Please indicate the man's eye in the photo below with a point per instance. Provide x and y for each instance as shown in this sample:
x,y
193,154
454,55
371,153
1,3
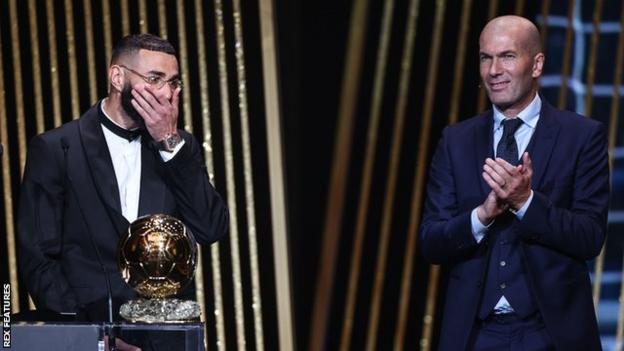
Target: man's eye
x,y
153,80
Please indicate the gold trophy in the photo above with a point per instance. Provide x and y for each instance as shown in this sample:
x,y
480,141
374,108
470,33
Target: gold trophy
x,y
157,257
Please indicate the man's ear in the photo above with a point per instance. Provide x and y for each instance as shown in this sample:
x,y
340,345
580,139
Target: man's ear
x,y
538,65
116,77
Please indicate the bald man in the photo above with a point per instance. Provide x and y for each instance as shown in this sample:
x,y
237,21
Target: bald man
x,y
517,203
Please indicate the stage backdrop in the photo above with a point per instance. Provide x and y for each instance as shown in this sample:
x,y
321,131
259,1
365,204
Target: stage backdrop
x,y
318,120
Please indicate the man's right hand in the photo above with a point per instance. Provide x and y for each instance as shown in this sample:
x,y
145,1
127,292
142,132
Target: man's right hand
x,y
490,208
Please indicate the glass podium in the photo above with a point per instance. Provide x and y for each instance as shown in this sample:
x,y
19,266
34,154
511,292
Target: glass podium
x,y
52,336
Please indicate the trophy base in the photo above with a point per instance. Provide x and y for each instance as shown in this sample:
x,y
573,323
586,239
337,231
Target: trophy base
x,y
160,311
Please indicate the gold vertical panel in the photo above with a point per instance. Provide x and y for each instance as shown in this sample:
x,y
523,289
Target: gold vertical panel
x,y
18,86
207,146
567,51
248,173
125,17
460,55
339,173
6,188
71,53
143,16
162,18
593,54
367,175
589,97
432,296
395,156
229,175
423,149
184,65
493,8
36,65
519,7
54,76
544,26
107,29
276,175
89,40
619,334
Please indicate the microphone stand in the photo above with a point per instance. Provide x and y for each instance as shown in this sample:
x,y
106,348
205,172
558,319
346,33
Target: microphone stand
x,y
110,326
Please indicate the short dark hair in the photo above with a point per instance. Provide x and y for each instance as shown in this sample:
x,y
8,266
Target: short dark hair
x,y
132,43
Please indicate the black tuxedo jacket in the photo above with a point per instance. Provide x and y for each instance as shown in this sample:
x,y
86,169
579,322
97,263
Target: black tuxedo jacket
x,y
564,225
69,203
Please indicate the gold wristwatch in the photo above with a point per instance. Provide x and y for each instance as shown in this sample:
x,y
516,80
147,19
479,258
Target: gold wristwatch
x,y
170,142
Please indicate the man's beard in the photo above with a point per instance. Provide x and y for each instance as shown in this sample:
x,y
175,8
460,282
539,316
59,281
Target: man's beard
x,y
126,104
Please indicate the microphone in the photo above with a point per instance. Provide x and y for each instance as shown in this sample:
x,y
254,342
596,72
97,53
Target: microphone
x,y
110,333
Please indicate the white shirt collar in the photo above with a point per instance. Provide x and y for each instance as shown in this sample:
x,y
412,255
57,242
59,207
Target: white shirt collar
x,y
529,116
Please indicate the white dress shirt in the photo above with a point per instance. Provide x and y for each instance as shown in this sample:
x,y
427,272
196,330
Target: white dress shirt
x,y
126,157
529,117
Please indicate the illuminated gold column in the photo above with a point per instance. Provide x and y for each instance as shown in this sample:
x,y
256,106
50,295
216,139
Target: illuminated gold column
x,y
458,77
591,73
276,175
107,29
593,54
481,98
339,172
365,190
36,65
248,173
421,166
143,16
18,87
8,198
125,17
207,146
54,76
162,18
395,157
229,175
544,26
184,63
519,7
71,53
89,40
567,50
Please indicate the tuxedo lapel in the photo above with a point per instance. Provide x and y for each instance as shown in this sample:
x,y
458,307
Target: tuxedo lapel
x,y
152,194
542,143
483,147
101,166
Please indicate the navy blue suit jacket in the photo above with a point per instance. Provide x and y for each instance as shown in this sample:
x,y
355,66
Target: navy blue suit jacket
x,y
70,202
563,227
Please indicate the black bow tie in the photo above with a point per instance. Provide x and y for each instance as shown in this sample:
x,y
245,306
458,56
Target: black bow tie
x,y
129,135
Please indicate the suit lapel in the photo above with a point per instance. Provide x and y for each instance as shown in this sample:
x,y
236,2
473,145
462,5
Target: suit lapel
x,y
542,143
152,194
483,147
101,166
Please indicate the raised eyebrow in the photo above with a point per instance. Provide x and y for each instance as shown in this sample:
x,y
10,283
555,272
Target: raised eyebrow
x,y
505,53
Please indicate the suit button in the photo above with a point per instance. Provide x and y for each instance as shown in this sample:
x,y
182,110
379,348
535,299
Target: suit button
x,y
503,286
503,263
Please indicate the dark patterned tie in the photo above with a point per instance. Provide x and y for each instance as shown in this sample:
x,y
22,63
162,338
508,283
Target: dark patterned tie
x,y
507,148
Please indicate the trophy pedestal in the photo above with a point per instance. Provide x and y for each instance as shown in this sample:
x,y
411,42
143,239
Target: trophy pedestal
x,y
160,311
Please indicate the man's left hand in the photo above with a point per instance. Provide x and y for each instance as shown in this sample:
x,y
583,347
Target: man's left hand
x,y
159,112
512,184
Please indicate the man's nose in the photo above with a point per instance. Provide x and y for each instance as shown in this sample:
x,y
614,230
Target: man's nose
x,y
166,91
495,67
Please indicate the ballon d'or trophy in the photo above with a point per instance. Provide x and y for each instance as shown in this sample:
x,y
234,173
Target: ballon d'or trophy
x,y
157,257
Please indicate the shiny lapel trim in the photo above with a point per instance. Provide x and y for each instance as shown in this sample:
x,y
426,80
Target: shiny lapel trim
x,y
483,147
152,193
101,166
542,143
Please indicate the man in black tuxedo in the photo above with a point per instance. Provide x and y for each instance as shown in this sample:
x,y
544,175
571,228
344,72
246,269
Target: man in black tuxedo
x,y
87,180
